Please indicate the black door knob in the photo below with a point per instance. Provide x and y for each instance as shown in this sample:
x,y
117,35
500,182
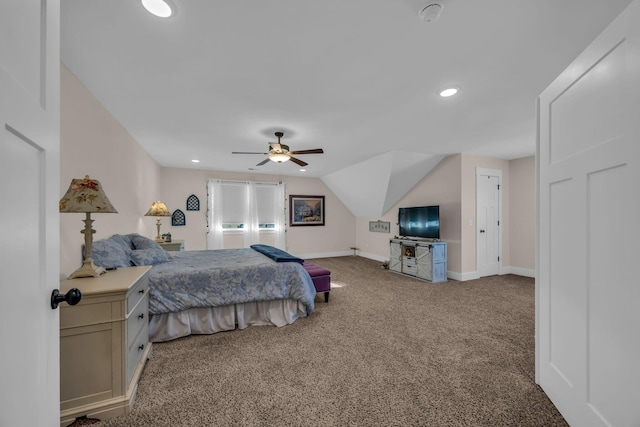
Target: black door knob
x,y
72,297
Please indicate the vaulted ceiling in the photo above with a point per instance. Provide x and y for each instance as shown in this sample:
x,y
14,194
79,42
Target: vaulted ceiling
x,y
358,78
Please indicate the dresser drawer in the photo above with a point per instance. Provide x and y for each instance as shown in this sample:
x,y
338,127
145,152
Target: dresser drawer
x,y
137,319
137,292
136,350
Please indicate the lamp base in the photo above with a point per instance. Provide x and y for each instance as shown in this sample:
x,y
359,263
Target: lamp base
x,y
88,269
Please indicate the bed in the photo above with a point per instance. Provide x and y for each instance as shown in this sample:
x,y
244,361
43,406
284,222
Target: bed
x,y
204,292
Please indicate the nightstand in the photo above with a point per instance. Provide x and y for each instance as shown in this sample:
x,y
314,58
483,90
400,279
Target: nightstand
x,y
174,245
104,344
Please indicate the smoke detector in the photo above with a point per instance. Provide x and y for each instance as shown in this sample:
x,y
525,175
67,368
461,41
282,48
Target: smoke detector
x,y
431,12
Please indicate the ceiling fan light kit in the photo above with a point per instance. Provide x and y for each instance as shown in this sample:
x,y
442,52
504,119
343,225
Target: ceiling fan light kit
x,y
279,157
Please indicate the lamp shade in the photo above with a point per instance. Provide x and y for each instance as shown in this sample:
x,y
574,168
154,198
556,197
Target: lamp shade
x,y
86,195
158,209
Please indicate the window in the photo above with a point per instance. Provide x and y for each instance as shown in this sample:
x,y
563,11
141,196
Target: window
x,y
249,208
234,205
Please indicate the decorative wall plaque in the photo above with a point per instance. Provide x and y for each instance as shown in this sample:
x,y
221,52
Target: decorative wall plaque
x,y
380,226
178,218
193,203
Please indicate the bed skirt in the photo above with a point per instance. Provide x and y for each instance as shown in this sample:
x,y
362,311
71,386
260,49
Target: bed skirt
x,y
169,326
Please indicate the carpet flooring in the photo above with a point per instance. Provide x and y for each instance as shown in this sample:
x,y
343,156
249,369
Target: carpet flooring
x,y
387,350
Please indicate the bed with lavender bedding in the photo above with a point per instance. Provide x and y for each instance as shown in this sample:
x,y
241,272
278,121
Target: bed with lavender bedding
x,y
203,292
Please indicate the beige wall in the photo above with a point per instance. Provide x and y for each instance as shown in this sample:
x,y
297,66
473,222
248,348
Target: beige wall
x,y
441,186
333,239
452,185
523,215
93,143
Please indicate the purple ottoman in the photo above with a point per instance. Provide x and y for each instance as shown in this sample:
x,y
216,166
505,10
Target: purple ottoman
x,y
321,278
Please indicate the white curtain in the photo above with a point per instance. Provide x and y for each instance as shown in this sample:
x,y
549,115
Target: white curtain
x,y
279,215
243,207
251,223
215,238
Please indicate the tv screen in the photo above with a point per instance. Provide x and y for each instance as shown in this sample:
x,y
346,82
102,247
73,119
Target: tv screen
x,y
421,221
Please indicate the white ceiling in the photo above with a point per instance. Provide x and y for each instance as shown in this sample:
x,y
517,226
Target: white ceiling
x,y
358,78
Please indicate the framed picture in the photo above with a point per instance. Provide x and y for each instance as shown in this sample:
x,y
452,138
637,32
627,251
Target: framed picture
x,y
306,210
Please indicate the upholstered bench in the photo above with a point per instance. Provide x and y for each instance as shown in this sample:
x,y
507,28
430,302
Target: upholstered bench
x,y
321,278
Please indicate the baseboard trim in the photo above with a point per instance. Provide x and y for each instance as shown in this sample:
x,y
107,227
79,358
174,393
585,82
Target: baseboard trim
x,y
373,256
462,277
324,254
518,271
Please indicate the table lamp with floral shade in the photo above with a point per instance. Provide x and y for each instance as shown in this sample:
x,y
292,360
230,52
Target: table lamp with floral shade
x,y
158,209
86,196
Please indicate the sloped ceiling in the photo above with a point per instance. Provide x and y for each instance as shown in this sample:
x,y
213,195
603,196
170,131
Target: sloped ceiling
x,y
358,78
372,187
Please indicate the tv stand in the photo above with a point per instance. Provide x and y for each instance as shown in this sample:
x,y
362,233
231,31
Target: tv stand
x,y
426,260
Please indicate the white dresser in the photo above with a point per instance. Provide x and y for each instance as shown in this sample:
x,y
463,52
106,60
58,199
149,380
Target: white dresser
x,y
104,344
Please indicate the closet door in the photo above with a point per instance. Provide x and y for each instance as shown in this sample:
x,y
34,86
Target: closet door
x,y
588,339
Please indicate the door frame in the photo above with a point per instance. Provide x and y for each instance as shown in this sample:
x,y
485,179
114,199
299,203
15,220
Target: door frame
x,y
497,173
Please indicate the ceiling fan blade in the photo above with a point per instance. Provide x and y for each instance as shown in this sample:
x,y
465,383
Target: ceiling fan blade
x,y
263,162
248,152
298,161
314,151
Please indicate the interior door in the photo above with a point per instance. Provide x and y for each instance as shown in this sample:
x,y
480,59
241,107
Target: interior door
x,y
29,172
487,222
588,339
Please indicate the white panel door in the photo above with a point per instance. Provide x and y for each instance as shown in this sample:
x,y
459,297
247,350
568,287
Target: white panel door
x,y
588,298
487,221
29,172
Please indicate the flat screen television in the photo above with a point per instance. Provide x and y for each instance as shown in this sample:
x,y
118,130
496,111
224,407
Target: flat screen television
x,y
420,221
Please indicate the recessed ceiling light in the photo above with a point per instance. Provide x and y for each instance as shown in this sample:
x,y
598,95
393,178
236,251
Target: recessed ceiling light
x,y
159,8
195,161
450,91
303,170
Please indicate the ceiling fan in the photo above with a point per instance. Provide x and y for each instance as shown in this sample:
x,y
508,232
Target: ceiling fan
x,y
280,153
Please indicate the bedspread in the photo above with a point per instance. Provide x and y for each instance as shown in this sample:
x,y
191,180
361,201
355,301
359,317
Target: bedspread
x,y
222,277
